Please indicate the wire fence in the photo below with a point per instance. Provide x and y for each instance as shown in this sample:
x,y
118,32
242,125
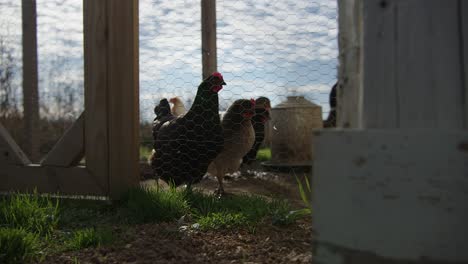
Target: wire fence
x,y
273,49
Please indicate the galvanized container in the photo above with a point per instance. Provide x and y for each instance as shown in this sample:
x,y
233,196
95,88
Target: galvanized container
x,y
291,131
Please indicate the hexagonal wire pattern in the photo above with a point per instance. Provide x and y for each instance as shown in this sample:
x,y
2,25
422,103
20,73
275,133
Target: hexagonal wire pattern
x,y
265,48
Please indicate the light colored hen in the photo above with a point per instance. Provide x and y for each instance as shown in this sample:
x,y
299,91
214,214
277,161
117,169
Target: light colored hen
x,y
239,137
178,107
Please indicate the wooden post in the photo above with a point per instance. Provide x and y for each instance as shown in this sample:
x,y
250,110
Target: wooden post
x,y
30,86
350,69
123,96
96,85
464,46
111,93
208,24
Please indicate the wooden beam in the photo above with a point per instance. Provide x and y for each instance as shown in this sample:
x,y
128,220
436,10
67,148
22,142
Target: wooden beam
x,y
30,79
69,150
349,109
463,18
10,152
70,181
208,24
123,96
96,87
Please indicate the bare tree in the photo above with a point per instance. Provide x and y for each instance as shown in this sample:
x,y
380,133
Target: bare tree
x,y
8,95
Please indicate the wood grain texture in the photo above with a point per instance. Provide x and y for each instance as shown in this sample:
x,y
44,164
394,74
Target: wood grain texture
x,y
123,96
208,24
463,18
69,150
428,64
96,74
10,152
71,181
30,79
349,109
380,93
412,76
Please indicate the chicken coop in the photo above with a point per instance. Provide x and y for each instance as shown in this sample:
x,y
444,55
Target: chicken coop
x,y
390,183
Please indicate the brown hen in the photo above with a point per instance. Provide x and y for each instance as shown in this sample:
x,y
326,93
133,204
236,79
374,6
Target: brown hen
x,y
239,137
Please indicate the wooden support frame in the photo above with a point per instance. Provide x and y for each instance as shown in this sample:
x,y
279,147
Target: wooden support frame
x,y
30,78
464,46
208,28
108,133
69,150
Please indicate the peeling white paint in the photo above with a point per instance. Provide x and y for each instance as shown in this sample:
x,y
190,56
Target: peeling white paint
x,y
398,193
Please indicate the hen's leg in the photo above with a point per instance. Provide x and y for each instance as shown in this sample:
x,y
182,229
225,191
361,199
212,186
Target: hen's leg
x,y
219,175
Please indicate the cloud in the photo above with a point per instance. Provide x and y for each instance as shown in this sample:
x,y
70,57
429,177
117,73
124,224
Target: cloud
x,y
265,47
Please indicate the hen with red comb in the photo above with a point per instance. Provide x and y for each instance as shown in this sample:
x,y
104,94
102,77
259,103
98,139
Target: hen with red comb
x,y
187,144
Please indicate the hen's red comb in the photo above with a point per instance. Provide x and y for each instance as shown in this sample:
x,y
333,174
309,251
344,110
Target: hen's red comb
x,y
217,74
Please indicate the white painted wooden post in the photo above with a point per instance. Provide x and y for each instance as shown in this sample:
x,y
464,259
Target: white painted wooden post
x,y
395,190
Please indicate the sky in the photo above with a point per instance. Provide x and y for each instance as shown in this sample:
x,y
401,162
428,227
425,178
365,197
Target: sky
x,y
265,48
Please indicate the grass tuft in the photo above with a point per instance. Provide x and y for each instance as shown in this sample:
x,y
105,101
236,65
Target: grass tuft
x,y
264,154
90,237
33,213
237,211
144,205
223,220
17,245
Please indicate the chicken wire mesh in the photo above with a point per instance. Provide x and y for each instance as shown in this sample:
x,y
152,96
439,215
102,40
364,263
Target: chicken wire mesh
x,y
60,69
275,49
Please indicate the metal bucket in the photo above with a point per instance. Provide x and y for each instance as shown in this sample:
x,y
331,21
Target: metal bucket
x,y
291,132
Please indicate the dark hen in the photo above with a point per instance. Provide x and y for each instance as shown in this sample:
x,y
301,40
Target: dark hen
x,y
187,144
163,114
331,119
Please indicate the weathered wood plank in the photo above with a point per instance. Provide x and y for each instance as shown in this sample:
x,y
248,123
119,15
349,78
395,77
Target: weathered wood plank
x,y
10,152
428,64
412,76
96,74
123,96
208,24
30,79
380,93
349,109
69,150
71,181
463,17
386,193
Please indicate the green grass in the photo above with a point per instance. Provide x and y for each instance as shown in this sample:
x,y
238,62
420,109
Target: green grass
x,y
145,152
264,154
90,237
154,205
33,213
17,245
223,220
32,222
237,211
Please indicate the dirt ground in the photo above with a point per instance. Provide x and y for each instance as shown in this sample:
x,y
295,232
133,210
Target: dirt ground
x,y
167,243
